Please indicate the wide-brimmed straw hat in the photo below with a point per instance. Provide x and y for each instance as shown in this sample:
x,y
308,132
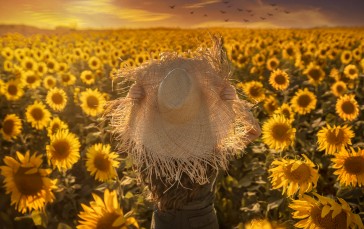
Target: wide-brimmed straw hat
x,y
182,125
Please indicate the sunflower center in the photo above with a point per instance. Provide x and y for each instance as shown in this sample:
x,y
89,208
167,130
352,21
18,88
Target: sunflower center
x,y
28,184
61,149
334,137
348,107
286,113
37,113
12,89
65,78
29,65
290,51
8,126
50,82
328,222
304,100
101,163
280,131
94,63
57,98
55,127
31,79
354,165
92,102
301,174
314,74
50,65
88,77
107,220
280,79
273,64
254,91
352,71
339,88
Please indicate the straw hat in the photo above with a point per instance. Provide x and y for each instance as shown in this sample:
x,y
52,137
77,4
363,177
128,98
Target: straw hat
x,y
181,125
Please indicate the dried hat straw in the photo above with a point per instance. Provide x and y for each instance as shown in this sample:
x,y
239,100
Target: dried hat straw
x,y
181,125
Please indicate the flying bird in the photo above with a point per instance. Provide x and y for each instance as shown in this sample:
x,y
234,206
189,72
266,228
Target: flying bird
x,y
287,12
226,20
239,9
223,12
205,15
191,12
263,18
249,11
273,4
270,15
246,20
172,7
226,2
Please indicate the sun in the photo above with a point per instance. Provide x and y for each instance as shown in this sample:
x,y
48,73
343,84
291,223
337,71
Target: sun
x,y
92,102
278,133
101,163
105,213
294,175
349,167
324,212
304,101
63,150
56,99
29,185
347,107
11,127
37,115
333,139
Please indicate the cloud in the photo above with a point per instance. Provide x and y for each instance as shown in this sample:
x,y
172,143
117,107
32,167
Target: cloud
x,y
200,4
95,7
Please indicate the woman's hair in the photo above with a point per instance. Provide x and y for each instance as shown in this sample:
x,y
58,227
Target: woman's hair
x,y
175,196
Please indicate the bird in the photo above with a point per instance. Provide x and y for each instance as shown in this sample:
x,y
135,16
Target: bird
x,y
263,18
249,11
276,8
229,6
205,15
287,12
251,15
226,2
191,12
246,20
240,9
172,7
223,12
272,4
226,20
270,15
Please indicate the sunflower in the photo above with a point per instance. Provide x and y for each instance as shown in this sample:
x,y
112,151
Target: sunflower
x,y
87,77
41,69
52,65
67,79
56,99
13,90
278,133
105,214
63,149
37,115
92,102
304,101
279,80
351,71
263,224
315,74
293,175
346,57
335,73
94,63
31,79
11,126
338,88
362,64
101,163
258,59
290,51
8,66
349,167
272,63
285,110
334,139
324,213
7,53
270,104
347,107
28,64
254,90
49,82
29,185
55,125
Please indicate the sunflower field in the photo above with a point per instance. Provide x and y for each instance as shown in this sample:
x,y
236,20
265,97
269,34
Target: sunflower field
x,y
59,168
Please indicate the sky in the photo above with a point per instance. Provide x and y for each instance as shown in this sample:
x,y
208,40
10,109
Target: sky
x,y
106,14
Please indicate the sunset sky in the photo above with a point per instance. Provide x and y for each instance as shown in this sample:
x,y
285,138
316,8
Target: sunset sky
x,y
182,13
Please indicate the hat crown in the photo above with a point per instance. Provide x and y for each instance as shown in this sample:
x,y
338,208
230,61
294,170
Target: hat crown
x,y
178,96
